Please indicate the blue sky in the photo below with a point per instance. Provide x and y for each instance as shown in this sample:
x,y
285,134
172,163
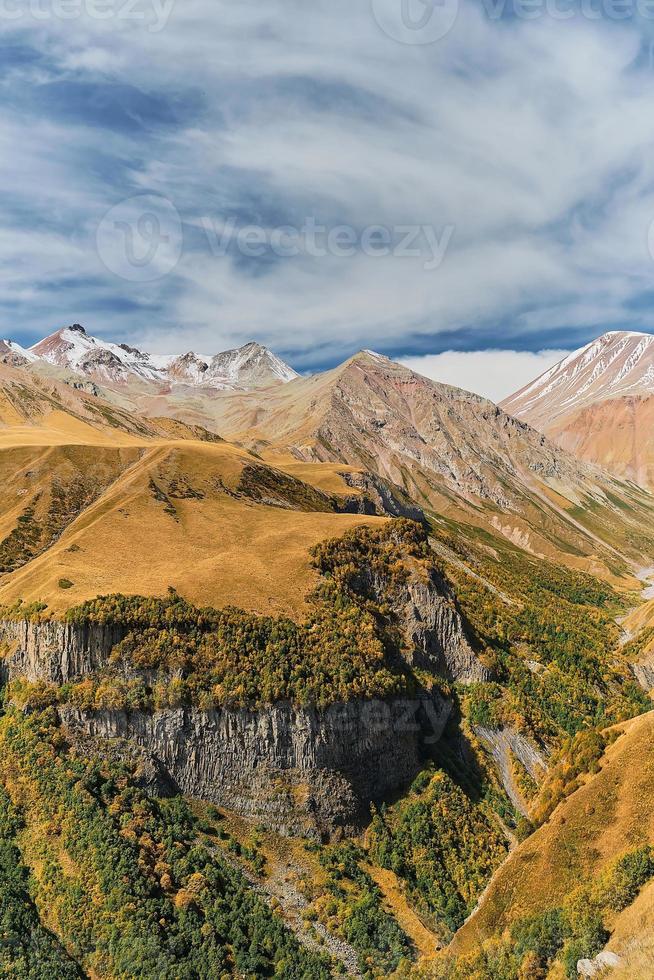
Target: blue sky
x,y
525,144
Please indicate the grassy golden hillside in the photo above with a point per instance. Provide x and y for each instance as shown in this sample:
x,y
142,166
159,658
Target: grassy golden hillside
x,y
633,939
94,500
49,407
452,452
39,409
173,516
609,815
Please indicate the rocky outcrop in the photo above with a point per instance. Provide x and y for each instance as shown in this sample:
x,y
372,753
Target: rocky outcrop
x,y
304,771
53,651
434,636
603,961
386,497
644,673
436,633
505,744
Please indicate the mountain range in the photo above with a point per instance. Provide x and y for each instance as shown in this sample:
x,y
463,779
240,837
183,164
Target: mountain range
x,y
117,364
453,452
312,676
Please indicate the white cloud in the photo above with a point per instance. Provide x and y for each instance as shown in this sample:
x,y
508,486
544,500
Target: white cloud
x,y
495,374
532,138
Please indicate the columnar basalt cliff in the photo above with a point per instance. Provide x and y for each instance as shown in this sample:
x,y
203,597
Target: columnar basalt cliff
x,y
298,770
53,651
305,771
298,767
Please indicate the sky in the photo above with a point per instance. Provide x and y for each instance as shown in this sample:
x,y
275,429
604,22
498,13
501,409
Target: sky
x,y
467,187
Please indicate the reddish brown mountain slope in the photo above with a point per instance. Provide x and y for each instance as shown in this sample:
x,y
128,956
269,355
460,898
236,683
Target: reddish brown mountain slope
x,y
598,403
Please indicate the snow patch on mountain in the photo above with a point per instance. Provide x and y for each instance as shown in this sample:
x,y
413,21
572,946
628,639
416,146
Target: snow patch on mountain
x,y
618,363
73,348
10,350
253,363
250,366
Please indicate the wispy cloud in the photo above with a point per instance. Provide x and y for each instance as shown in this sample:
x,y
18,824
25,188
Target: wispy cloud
x,y
531,139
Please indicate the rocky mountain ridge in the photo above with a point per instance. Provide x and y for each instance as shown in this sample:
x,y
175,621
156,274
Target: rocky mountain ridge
x,y
455,452
71,348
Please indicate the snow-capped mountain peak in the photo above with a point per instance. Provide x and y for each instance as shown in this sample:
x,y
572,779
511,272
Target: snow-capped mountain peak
x,y
620,362
253,364
72,348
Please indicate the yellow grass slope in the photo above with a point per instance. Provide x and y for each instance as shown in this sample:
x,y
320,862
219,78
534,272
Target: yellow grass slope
x,y
94,499
41,408
176,517
609,815
632,939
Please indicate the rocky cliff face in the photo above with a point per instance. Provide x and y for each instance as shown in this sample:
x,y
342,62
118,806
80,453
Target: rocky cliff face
x,y
386,497
309,771
55,652
433,634
505,743
305,771
436,634
644,672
